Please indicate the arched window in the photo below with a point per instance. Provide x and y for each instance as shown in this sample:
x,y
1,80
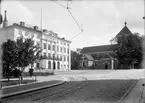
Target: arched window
x,y
58,65
49,64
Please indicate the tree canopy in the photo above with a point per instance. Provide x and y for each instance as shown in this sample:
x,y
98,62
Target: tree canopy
x,y
19,54
129,49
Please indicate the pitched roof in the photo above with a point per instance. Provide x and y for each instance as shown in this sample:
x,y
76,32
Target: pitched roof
x,y
101,48
124,31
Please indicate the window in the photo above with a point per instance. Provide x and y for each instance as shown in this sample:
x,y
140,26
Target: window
x,y
68,51
49,55
37,65
64,50
20,32
49,47
68,44
67,58
57,57
44,45
64,58
54,47
61,49
57,48
64,43
26,33
45,54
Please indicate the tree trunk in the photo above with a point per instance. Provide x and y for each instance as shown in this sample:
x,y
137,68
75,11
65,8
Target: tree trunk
x,y
21,75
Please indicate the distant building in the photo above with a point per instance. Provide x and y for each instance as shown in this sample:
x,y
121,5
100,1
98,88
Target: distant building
x,y
56,52
102,57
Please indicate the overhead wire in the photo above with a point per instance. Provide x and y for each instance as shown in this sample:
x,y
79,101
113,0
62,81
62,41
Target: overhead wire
x,y
72,17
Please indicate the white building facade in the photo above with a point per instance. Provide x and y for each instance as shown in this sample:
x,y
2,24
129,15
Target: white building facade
x,y
56,53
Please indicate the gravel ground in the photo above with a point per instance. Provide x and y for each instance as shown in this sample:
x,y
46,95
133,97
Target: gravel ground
x,y
92,91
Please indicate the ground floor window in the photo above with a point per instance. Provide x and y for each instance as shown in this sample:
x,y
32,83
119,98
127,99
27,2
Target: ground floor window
x,y
58,65
49,64
37,65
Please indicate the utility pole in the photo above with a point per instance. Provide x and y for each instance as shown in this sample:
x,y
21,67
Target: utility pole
x,y
144,42
1,17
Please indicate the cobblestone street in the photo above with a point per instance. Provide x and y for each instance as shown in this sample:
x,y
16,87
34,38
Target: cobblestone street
x,y
95,90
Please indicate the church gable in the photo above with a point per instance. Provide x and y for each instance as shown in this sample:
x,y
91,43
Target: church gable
x,y
124,31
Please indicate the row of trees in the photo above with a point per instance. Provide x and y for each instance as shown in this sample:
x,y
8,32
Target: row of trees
x,y
17,55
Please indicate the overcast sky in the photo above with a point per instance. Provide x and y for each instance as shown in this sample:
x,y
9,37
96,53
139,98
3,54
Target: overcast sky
x,y
101,19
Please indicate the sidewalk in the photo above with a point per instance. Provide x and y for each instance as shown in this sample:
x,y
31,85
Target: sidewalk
x,y
42,82
137,94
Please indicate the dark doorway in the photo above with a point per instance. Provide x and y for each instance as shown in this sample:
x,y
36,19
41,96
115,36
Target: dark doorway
x,y
106,66
54,65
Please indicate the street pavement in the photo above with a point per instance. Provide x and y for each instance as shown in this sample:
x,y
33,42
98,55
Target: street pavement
x,y
135,95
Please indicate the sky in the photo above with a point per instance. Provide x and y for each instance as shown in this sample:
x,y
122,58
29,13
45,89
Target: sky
x,y
101,20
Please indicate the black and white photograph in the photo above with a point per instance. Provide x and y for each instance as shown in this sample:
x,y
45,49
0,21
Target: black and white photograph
x,y
72,51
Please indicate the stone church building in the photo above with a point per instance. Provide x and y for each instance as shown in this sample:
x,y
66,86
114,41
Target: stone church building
x,y
102,57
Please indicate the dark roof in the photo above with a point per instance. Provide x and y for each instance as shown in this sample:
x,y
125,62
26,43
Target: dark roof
x,y
101,48
124,31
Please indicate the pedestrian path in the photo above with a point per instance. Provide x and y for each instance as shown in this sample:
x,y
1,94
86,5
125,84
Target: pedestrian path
x,y
42,82
137,94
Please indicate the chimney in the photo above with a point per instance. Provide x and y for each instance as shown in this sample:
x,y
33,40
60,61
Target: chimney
x,y
44,30
35,27
22,23
15,24
63,38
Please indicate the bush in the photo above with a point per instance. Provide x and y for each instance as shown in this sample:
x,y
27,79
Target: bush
x,y
38,74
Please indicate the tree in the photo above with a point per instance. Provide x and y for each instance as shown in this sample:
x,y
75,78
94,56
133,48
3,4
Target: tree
x,y
18,55
9,53
75,60
129,50
28,53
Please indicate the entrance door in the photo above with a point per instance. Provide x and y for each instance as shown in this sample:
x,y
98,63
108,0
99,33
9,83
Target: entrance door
x,y
106,66
54,65
58,65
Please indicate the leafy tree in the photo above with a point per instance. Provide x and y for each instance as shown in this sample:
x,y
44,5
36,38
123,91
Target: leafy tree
x,y
18,55
129,49
75,60
9,53
28,53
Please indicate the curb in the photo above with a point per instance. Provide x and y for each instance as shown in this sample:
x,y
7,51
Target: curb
x,y
127,92
33,89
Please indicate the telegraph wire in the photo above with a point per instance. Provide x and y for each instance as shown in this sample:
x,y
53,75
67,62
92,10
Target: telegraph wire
x,y
76,35
72,17
61,5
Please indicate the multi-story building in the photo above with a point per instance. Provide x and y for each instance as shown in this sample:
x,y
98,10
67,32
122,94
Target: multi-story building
x,y
55,50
